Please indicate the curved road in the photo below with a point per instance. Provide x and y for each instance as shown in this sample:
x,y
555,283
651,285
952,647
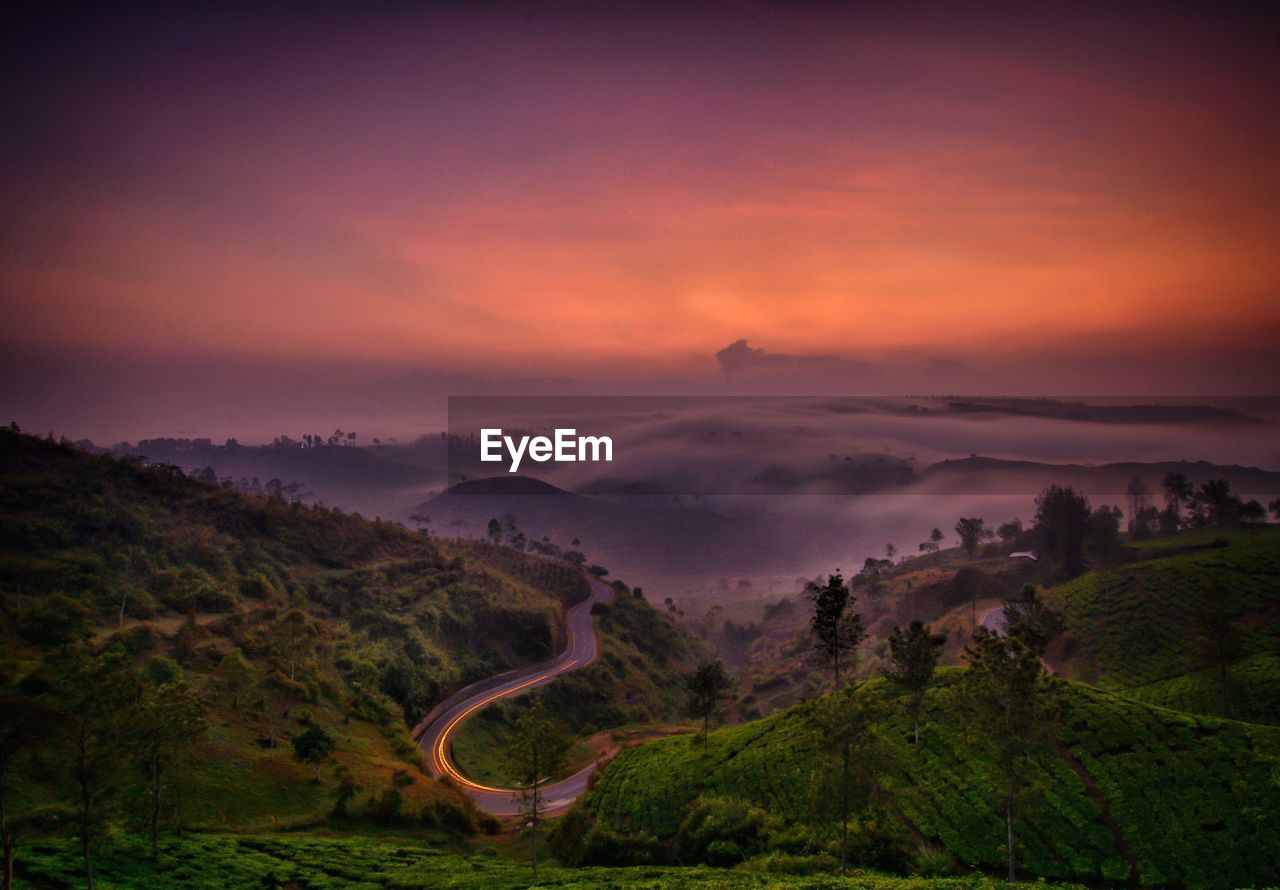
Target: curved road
x,y
435,734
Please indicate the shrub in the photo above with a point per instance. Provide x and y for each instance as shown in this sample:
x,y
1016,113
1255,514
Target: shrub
x,y
713,819
723,854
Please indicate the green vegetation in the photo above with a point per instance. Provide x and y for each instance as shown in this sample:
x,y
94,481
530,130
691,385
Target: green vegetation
x,y
1142,627
284,624
257,861
1126,791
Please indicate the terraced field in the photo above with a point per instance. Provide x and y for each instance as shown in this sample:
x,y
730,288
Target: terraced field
x,y
1131,791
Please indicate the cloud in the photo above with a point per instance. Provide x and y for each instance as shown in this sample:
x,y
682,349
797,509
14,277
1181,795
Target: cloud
x,y
739,357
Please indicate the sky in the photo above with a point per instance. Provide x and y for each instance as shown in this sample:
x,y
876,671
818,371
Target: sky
x,y
248,211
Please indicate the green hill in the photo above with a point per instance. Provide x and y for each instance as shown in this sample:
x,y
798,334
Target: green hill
x,y
1141,628
279,616
1130,792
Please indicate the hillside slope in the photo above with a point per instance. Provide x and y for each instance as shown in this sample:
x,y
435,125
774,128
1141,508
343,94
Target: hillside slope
x,y
1132,792
281,615
1146,628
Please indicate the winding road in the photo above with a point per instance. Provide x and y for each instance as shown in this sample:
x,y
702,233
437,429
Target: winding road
x,y
435,733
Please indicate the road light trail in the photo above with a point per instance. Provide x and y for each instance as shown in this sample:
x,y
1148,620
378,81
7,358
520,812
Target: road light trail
x,y
436,734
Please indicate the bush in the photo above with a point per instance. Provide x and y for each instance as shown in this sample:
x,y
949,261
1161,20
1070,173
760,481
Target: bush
x,y
724,854
790,864
713,819
604,847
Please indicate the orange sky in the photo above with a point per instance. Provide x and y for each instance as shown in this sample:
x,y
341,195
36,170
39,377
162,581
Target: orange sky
x,y
477,191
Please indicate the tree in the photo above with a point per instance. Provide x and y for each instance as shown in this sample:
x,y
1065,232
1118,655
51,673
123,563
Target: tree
x,y
24,723
1252,512
1028,619
1138,496
1061,527
890,551
237,676
706,689
935,537
837,628
1103,537
913,656
169,724
1005,697
278,695
851,749
98,699
495,532
1009,532
971,531
1274,507
292,636
1216,500
1220,644
314,746
537,751
1177,491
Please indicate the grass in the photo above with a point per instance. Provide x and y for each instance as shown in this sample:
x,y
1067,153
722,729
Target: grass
x,y
277,861
1179,799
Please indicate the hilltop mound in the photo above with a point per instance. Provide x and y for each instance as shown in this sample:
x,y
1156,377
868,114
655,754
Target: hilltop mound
x,y
510,486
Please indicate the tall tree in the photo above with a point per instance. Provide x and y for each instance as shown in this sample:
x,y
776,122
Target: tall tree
x,y
536,753
24,723
1177,490
852,755
913,656
169,725
1062,526
1005,697
1138,496
972,532
1219,638
98,696
836,627
237,676
706,688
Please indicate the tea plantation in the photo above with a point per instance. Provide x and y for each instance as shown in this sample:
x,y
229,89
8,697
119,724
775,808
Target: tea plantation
x,y
277,861
1129,793
1137,628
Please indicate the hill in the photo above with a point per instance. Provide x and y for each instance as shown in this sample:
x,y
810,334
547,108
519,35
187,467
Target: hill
x,y
280,616
1133,793
1147,628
